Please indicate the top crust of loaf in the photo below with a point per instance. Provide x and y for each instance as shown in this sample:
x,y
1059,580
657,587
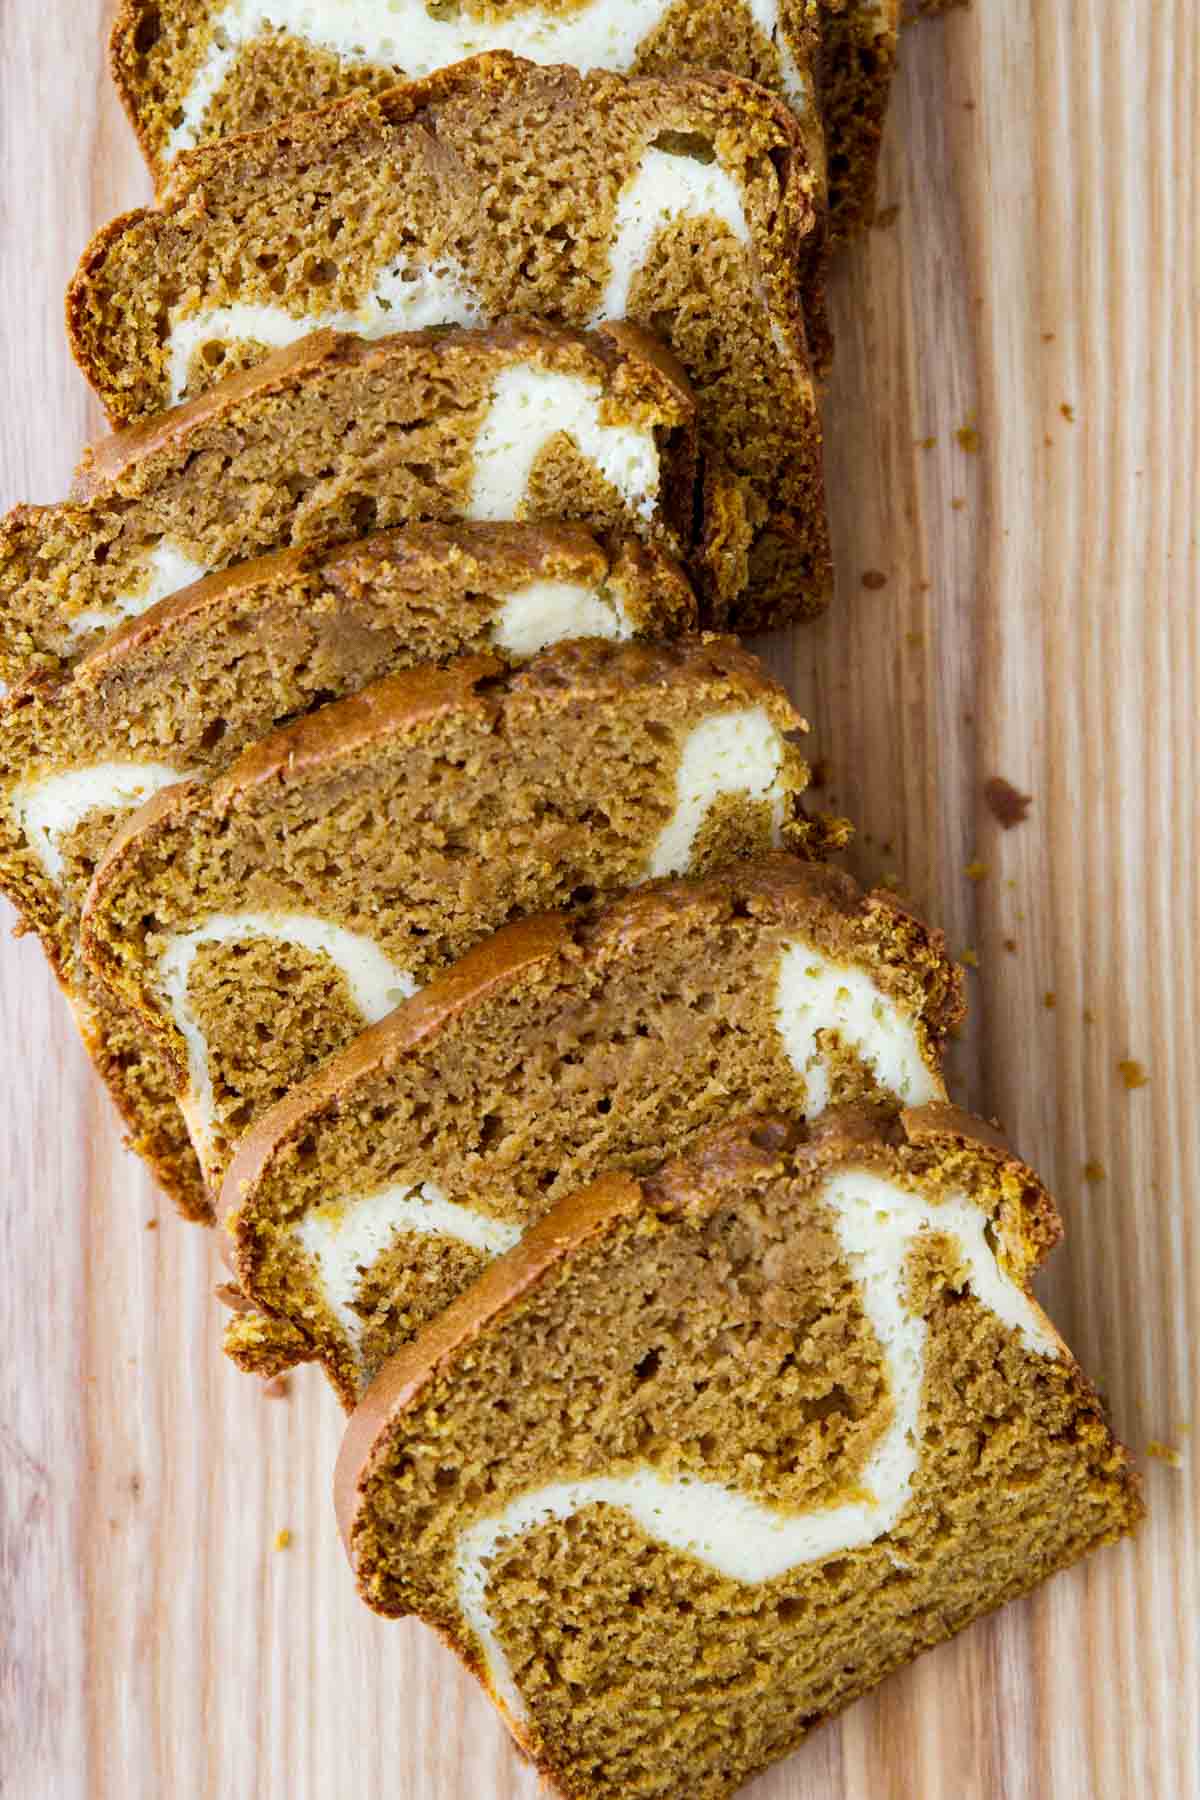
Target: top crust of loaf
x,y
777,887
939,1141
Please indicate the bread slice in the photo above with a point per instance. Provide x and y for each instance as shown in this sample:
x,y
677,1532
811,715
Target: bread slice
x,y
860,47
711,1453
364,1202
335,438
187,686
192,71
497,189
259,921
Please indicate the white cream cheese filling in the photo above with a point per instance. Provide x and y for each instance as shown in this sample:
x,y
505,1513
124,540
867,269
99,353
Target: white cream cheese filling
x,y
401,298
731,753
877,1223
665,188
345,1238
528,408
547,612
407,35
47,807
376,987
814,994
170,570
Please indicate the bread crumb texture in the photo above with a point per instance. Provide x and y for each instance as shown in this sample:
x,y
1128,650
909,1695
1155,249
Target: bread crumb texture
x,y
540,1060
407,822
729,1336
182,86
189,684
498,190
337,438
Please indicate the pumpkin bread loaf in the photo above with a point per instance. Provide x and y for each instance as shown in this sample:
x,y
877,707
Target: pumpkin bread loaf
x,y
365,1201
259,921
497,190
711,1453
335,438
191,71
187,686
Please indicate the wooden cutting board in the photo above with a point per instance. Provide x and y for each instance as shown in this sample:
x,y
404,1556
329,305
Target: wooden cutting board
x,y
1014,468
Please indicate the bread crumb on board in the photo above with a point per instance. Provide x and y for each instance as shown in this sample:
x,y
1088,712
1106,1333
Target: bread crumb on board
x,y
282,1539
1132,1073
1007,804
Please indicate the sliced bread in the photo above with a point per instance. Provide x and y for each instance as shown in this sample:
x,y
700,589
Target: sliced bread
x,y
496,190
259,921
712,1453
337,437
559,1048
191,71
186,687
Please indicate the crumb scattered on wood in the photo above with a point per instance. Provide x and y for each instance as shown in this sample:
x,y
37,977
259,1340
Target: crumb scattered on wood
x,y
1049,1000
151,1224
874,578
282,1539
1048,337
957,504
276,1388
976,870
969,439
970,958
1089,1017
1007,804
926,443
886,216
1132,1073
914,639
1094,1172
1068,412
1165,1453
1010,944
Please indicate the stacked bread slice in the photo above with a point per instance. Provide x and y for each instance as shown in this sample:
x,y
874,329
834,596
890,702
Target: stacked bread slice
x,y
428,871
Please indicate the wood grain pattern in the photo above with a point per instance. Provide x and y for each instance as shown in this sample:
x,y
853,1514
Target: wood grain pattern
x,y
1038,621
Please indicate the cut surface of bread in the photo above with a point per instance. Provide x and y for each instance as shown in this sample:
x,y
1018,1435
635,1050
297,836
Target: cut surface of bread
x,y
259,921
336,438
860,45
184,688
191,71
559,1048
496,190
710,1454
